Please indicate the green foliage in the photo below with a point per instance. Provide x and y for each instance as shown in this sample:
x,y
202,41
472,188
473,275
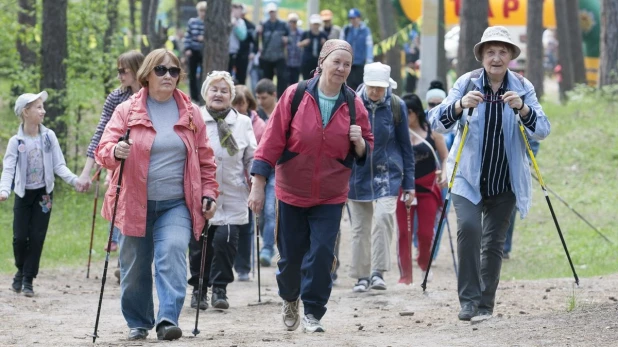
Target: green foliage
x,y
578,161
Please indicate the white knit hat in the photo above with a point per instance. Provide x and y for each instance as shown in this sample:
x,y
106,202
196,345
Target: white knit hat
x,y
378,75
496,33
435,93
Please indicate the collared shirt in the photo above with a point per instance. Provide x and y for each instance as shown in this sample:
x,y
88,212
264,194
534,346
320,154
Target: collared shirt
x,y
294,52
468,175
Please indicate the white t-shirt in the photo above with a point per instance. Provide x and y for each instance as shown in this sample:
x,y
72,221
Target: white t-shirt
x,y
35,176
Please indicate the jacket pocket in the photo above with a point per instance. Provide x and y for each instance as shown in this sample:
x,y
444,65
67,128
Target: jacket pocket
x,y
295,174
286,156
334,177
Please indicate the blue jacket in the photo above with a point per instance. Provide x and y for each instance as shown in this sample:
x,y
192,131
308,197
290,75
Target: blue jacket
x,y
391,164
361,41
467,177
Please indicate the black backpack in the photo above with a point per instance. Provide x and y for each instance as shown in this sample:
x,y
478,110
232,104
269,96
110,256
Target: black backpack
x,y
298,97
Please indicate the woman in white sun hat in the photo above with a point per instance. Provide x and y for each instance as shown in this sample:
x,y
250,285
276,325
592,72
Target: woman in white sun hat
x,y
312,42
493,176
389,168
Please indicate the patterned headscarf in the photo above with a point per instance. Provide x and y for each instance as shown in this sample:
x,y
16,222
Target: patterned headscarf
x,y
329,47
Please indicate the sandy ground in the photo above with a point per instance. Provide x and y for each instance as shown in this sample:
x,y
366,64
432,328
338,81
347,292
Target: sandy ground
x,y
528,313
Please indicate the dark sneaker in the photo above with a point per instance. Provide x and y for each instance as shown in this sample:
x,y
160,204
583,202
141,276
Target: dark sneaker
x,y
243,277
377,282
219,299
17,282
467,312
168,331
195,298
266,256
117,274
506,255
28,289
137,334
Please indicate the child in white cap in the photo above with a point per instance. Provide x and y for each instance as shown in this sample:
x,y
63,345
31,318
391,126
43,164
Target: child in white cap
x,y
32,158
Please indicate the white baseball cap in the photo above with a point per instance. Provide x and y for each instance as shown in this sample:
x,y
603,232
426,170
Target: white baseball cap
x,y
271,7
315,19
24,99
378,75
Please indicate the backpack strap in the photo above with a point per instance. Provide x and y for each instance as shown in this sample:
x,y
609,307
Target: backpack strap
x,y
349,96
298,97
396,108
19,143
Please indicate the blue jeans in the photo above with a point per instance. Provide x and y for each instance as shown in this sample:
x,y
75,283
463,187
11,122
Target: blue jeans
x,y
115,233
168,229
268,215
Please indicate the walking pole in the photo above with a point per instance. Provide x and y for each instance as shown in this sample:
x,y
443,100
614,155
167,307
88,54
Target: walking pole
x,y
109,238
576,213
540,179
347,207
202,264
464,134
97,177
256,229
450,239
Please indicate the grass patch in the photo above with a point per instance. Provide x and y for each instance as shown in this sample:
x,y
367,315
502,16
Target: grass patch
x,y
578,161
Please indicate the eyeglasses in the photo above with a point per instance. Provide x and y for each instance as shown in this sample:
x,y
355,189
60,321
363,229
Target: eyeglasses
x,y
491,99
161,70
433,104
122,71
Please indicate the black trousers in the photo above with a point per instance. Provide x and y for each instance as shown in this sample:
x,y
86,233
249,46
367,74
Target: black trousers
x,y
293,75
308,66
195,60
30,221
241,63
268,71
355,78
221,248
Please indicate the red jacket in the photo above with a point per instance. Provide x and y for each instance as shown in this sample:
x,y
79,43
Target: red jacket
x,y
313,165
199,168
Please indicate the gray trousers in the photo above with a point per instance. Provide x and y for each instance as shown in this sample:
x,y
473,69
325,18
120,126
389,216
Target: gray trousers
x,y
481,232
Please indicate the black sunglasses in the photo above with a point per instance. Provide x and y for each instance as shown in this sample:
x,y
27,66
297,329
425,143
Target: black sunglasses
x,y
433,104
121,71
161,70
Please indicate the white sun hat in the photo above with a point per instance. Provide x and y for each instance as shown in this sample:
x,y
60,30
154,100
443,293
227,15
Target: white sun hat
x,y
315,19
378,75
496,33
25,99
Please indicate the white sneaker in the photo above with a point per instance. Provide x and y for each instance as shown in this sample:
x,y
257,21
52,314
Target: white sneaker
x,y
377,283
429,278
361,286
290,316
312,325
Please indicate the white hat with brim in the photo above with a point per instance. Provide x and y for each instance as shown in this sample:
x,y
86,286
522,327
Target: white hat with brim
x,y
378,75
24,99
498,34
271,7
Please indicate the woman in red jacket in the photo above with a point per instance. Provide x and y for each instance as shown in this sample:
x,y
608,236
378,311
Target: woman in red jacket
x,y
312,153
168,178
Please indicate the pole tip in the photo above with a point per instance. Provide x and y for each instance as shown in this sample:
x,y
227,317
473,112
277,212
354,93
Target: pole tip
x,y
195,332
424,286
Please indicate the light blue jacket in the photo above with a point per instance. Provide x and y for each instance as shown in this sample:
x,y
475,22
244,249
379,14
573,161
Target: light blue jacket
x,y
467,178
15,163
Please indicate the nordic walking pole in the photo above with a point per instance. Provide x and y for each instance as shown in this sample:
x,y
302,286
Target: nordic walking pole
x,y
540,179
256,229
576,213
450,240
202,264
109,238
464,134
97,176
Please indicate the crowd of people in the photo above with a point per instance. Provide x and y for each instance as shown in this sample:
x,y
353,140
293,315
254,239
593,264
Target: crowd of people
x,y
293,156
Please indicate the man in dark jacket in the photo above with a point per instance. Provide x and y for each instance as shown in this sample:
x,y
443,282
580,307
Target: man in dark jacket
x,y
244,52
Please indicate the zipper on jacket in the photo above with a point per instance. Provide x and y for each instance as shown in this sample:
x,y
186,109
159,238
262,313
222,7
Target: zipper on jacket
x,y
373,120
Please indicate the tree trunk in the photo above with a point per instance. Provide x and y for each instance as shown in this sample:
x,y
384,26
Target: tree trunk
x,y
386,13
534,41
53,68
217,37
608,73
576,46
132,11
112,19
442,62
144,21
473,22
564,57
27,21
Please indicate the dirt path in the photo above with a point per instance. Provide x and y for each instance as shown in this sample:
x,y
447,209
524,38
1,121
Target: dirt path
x,y
529,313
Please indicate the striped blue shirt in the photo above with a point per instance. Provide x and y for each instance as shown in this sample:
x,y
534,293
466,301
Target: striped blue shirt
x,y
114,99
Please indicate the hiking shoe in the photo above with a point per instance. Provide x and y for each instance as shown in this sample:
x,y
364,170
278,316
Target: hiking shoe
x,y
243,277
219,299
467,312
289,313
117,274
17,282
168,331
137,334
28,289
195,298
506,255
361,286
377,282
265,257
312,325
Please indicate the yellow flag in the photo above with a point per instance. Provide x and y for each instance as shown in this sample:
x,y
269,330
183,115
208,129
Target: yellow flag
x,y
169,45
126,41
145,40
92,42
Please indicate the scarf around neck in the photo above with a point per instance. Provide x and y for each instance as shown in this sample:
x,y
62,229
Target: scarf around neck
x,y
226,139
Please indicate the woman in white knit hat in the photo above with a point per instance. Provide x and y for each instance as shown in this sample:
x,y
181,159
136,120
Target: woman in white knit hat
x,y
493,176
389,168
